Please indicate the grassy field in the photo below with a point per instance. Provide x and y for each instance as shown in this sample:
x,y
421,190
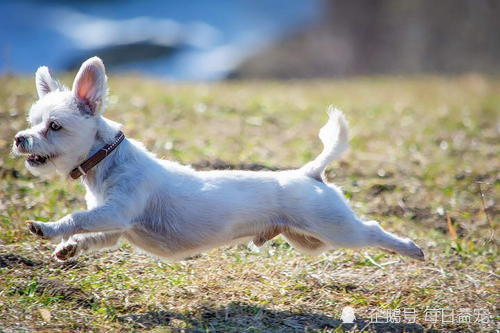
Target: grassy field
x,y
423,160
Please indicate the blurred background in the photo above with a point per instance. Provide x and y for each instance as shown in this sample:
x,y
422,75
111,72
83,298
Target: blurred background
x,y
277,39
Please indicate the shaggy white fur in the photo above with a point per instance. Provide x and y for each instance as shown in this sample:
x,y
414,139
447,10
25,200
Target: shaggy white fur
x,y
171,210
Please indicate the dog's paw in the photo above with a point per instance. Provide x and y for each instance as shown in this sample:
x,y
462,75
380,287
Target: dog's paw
x,y
65,251
45,230
414,251
36,228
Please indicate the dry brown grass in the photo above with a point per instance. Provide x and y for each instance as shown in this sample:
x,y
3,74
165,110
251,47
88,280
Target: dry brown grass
x,y
423,152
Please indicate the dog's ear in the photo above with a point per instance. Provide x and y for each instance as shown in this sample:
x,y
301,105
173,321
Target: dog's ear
x,y
90,85
44,82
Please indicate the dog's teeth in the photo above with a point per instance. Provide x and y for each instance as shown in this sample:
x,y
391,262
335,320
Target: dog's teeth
x,y
37,158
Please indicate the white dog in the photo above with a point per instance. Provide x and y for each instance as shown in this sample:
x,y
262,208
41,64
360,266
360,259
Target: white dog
x,y
171,210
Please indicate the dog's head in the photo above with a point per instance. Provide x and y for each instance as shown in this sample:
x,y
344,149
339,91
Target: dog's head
x,y
63,122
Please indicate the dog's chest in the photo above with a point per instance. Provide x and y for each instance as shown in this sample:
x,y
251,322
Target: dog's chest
x,y
93,199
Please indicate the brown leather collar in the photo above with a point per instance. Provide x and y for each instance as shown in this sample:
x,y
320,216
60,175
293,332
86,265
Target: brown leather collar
x,y
93,160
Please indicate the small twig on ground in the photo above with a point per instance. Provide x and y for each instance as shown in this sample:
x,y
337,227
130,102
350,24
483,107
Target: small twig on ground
x,y
370,259
483,206
390,263
426,282
451,228
471,279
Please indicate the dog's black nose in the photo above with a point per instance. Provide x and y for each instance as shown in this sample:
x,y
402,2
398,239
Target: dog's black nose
x,y
19,140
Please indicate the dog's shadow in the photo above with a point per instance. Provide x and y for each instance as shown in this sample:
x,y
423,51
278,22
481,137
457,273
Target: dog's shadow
x,y
242,317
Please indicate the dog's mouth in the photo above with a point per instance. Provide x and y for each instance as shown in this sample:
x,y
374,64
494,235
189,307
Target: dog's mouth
x,y
37,160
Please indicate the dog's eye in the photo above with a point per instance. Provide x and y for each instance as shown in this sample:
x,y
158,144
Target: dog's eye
x,y
55,126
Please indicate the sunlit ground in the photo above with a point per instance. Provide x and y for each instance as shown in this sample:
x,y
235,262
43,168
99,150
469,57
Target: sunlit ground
x,y
423,161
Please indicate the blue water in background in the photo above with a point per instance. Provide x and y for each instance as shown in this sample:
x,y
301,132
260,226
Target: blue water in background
x,y
190,40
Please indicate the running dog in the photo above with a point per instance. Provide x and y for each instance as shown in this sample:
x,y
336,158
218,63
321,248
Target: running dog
x,y
171,210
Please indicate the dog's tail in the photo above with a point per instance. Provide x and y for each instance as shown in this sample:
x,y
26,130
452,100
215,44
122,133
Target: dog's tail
x,y
334,136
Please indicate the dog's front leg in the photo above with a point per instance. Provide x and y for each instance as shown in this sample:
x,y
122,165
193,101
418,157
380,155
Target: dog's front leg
x,y
104,218
80,243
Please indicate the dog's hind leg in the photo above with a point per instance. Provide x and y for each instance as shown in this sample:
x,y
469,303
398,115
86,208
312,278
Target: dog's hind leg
x,y
79,243
350,232
299,239
376,236
266,235
304,242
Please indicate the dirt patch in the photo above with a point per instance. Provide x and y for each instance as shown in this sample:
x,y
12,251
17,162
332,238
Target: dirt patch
x,y
147,320
11,260
222,165
58,288
413,213
377,189
344,287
